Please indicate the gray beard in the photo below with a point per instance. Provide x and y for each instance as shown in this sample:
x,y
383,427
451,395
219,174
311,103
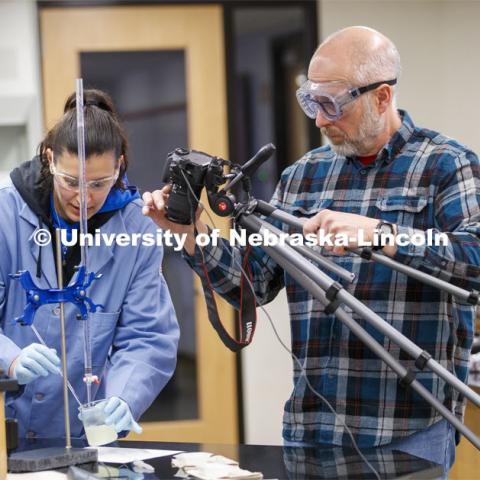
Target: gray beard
x,y
370,127
346,149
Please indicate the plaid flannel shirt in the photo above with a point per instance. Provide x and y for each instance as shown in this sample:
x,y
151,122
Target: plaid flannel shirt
x,y
420,181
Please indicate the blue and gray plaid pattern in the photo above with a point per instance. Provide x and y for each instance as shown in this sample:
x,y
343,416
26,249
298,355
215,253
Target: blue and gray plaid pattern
x,y
420,180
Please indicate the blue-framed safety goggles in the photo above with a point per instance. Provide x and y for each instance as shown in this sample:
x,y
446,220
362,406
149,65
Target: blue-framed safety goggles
x,y
318,97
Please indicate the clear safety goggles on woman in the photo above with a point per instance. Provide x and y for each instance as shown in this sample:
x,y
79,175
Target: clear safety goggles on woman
x,y
317,98
71,183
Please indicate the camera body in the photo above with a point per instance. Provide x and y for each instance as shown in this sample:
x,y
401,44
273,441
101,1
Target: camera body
x,y
188,172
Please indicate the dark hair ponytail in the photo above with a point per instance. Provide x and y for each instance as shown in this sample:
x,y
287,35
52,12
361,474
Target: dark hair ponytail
x,y
103,132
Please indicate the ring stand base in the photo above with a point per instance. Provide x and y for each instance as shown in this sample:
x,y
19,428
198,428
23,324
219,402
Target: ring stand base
x,y
50,458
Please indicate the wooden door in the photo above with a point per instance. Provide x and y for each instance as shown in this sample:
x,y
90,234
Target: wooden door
x,y
197,31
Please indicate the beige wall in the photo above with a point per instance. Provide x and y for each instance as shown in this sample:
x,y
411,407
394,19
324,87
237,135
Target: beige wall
x,y
267,375
439,43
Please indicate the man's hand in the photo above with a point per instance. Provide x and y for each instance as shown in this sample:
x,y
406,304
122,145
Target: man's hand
x,y
155,208
348,226
34,361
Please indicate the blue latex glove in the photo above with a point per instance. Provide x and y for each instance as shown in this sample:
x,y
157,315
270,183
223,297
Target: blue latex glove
x,y
119,415
35,361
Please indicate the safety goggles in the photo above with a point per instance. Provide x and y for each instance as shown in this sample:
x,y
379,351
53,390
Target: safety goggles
x,y
72,183
316,98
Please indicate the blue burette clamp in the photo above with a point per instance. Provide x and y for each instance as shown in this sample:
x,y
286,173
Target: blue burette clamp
x,y
75,293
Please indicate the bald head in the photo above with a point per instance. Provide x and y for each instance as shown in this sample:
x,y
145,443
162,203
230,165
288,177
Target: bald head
x,y
358,55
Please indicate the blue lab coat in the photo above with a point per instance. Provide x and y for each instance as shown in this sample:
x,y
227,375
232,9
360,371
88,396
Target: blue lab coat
x,y
134,337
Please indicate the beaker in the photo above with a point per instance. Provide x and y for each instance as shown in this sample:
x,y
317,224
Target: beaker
x,y
93,417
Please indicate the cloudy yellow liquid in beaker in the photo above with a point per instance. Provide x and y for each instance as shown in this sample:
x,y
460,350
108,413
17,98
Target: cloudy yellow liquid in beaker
x,y
100,435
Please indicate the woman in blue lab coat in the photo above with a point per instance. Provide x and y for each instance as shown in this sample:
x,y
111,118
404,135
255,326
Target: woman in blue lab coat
x,y
134,336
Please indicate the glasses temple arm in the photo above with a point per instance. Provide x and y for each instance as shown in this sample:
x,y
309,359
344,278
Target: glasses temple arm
x,y
358,91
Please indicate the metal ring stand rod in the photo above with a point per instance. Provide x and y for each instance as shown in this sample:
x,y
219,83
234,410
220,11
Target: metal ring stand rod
x,y
58,251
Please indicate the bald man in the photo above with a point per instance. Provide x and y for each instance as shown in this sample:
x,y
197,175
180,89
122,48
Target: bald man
x,y
378,173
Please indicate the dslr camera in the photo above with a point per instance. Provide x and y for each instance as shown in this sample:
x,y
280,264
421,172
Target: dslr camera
x,y
189,171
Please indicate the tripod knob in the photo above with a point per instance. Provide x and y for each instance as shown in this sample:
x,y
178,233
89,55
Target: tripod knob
x,y
222,204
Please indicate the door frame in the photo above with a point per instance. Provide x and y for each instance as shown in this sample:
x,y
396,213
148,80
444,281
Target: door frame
x,y
198,30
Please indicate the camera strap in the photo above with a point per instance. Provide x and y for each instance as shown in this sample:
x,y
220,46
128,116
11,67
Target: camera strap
x,y
248,309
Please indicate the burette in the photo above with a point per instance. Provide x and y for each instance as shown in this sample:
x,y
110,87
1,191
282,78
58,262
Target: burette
x,y
88,378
